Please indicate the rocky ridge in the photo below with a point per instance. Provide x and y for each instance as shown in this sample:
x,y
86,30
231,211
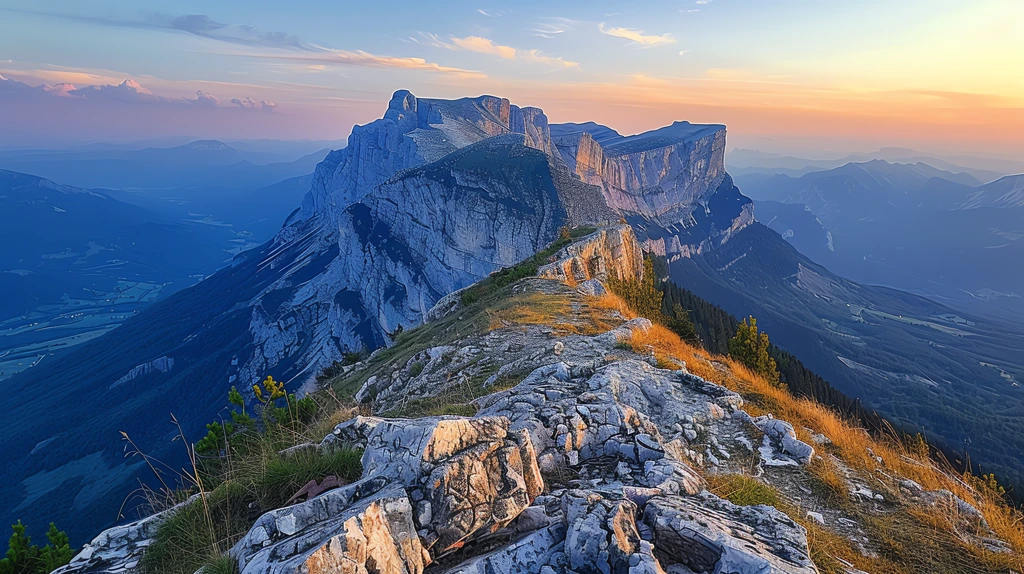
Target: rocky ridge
x,y
584,455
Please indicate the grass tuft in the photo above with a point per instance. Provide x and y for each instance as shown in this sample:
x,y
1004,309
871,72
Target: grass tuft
x,y
743,490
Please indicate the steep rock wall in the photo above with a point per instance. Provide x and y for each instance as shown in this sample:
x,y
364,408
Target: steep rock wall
x,y
608,253
660,174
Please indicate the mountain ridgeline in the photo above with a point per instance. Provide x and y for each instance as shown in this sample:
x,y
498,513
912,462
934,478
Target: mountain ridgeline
x,y
430,199
908,226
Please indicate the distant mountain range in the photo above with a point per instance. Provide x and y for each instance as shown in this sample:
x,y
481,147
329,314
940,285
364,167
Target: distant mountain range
x,y
431,198
203,163
909,226
744,161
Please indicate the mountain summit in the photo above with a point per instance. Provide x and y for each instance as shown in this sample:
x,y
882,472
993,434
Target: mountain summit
x,y
427,200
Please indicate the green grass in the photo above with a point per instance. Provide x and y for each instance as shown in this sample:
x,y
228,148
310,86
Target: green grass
x,y
284,476
240,491
221,565
743,490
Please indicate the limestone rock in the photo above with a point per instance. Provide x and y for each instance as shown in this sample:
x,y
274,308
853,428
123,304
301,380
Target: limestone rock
x,y
326,534
592,287
780,437
456,478
612,252
119,549
707,534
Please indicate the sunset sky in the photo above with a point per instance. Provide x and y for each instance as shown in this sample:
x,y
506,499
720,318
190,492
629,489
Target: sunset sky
x,y
783,75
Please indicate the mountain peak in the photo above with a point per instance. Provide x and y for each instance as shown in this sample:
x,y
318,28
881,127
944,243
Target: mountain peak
x,y
62,89
209,145
130,84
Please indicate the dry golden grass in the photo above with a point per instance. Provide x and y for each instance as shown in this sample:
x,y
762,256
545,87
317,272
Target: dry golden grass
x,y
851,444
665,344
531,309
902,534
611,302
591,316
934,526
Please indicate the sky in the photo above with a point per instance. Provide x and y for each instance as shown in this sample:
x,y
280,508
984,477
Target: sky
x,y
783,75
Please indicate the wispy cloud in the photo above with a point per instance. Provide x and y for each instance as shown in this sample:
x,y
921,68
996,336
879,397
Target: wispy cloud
x,y
203,26
366,59
126,92
483,45
637,37
198,25
551,27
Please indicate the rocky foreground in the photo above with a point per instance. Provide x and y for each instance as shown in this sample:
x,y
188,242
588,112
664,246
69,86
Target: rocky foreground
x,y
583,456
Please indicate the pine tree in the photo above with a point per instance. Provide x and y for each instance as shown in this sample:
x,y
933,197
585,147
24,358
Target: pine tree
x,y
678,320
58,552
22,557
752,349
642,295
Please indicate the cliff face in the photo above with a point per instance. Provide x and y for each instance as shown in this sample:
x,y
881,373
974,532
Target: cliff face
x,y
659,174
439,193
414,131
609,253
413,238
670,183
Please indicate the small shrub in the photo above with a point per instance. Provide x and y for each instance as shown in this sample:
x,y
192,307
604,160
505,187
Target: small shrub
x,y
352,358
415,369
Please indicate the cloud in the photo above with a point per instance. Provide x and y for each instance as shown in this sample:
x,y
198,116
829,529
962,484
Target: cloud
x,y
551,27
194,24
487,46
203,26
535,56
127,92
365,59
205,99
637,36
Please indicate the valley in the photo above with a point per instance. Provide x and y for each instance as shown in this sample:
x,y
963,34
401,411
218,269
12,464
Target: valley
x,y
88,259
